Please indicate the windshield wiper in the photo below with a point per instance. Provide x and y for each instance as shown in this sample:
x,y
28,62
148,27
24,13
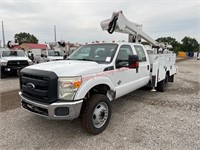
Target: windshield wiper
x,y
84,59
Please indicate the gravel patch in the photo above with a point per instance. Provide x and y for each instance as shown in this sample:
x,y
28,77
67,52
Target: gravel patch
x,y
140,120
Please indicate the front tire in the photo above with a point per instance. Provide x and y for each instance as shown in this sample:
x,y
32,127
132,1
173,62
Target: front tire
x,y
96,113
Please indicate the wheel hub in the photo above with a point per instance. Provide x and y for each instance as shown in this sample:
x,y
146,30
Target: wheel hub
x,y
100,115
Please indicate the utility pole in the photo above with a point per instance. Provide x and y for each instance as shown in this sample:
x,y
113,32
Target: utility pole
x,y
3,35
55,32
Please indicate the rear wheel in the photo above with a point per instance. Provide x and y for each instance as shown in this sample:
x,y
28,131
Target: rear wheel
x,y
162,85
96,113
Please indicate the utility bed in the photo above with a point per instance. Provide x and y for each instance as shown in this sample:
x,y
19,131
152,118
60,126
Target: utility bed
x,y
160,64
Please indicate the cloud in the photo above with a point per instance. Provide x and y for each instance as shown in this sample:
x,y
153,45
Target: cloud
x,y
79,21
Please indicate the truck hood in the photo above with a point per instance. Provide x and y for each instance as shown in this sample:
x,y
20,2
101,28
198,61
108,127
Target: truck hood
x,y
14,58
70,67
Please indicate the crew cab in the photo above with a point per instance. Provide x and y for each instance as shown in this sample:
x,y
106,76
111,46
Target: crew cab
x,y
12,61
92,76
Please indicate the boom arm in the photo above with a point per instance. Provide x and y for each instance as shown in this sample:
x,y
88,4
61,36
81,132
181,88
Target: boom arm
x,y
119,23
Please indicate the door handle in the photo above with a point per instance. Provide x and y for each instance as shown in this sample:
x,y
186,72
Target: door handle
x,y
147,67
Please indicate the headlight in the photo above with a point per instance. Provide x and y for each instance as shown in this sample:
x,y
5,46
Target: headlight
x,y
67,87
3,63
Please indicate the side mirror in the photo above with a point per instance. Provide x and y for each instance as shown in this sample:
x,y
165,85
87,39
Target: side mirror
x,y
42,55
133,61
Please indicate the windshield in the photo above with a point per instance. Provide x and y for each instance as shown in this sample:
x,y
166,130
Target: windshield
x,y
101,53
13,54
55,53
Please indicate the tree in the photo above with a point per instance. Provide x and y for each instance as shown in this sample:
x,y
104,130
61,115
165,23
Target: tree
x,y
189,44
24,37
172,41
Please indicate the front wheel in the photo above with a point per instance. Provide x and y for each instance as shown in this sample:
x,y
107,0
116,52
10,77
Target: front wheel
x,y
96,113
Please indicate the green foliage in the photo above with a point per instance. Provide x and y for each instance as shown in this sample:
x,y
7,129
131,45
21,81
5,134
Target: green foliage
x,y
189,44
172,41
24,37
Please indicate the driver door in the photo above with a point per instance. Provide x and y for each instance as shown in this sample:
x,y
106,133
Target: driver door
x,y
125,78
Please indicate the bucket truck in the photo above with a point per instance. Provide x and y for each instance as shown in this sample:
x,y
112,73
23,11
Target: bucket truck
x,y
86,82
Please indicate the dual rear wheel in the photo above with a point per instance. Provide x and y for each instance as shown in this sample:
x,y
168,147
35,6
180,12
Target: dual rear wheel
x,y
163,85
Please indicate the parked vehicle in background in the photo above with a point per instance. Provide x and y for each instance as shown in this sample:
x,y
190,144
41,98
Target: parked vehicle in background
x,y
55,55
12,61
48,55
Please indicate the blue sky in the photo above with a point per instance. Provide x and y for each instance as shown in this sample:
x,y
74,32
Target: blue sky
x,y
79,21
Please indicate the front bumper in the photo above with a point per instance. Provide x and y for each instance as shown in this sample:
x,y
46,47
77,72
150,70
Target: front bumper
x,y
56,110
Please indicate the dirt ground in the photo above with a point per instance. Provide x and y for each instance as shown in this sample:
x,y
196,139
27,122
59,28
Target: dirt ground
x,y
140,120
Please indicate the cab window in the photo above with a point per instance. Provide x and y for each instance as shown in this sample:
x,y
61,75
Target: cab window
x,y
140,52
100,53
123,56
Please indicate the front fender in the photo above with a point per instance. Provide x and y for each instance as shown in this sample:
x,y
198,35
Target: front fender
x,y
89,84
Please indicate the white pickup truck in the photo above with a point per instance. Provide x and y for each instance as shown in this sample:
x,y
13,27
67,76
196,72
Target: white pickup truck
x,y
12,61
95,74
47,55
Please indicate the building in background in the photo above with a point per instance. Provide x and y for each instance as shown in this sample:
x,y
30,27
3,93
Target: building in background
x,y
31,46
